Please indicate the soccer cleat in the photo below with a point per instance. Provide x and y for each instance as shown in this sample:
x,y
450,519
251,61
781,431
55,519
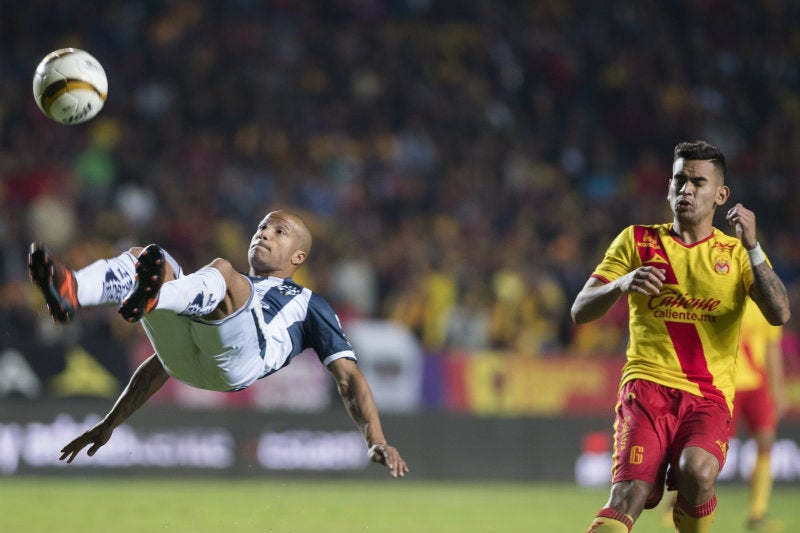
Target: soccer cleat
x,y
149,277
57,283
765,523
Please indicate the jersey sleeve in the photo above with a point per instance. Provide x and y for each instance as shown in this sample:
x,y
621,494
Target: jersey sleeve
x,y
619,259
325,334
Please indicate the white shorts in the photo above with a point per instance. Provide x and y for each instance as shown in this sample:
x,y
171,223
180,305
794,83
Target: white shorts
x,y
225,355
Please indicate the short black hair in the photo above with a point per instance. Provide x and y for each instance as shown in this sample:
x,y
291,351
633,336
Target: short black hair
x,y
701,151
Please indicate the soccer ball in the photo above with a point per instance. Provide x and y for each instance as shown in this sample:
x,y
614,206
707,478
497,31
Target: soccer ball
x,y
70,86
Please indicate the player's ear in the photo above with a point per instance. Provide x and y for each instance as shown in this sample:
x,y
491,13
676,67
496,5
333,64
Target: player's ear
x,y
298,258
723,193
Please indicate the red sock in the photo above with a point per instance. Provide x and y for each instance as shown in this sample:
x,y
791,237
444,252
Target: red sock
x,y
690,518
610,520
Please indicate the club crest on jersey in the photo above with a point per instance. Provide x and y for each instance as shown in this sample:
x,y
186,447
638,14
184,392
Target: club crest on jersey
x,y
722,266
288,290
722,263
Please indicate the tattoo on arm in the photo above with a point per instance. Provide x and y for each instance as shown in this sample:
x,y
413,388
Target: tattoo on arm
x,y
770,294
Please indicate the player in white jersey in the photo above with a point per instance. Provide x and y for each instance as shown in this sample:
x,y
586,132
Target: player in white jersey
x,y
216,329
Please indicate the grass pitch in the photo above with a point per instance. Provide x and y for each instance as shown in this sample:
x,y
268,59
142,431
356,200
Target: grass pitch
x,y
80,505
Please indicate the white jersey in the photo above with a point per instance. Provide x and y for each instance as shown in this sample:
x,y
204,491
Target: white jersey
x,y
280,320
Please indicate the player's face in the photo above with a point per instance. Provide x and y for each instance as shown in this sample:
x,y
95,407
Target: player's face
x,y
695,190
275,246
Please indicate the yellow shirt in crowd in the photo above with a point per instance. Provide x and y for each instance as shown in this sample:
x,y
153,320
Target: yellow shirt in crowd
x,y
757,334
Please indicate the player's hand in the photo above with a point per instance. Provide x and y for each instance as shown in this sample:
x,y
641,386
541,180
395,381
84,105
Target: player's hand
x,y
744,223
645,280
389,456
96,436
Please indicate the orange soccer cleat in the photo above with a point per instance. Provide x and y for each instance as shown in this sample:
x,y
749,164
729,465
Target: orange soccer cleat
x,y
57,283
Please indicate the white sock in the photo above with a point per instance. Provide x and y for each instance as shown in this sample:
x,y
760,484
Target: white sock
x,y
195,294
176,268
106,280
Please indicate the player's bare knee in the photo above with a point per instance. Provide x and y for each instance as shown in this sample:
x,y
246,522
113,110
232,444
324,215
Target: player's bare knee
x,y
225,268
698,473
236,284
221,264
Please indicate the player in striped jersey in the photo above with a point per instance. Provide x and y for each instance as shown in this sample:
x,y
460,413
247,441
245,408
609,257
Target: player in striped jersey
x,y
686,284
216,329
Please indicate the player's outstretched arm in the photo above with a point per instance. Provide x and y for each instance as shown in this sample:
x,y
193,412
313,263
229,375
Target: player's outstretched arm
x,y
360,404
147,379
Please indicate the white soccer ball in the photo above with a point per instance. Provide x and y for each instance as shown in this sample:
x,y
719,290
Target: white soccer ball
x,y
70,86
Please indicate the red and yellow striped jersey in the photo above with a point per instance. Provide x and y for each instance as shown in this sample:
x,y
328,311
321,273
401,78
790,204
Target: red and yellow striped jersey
x,y
755,336
687,336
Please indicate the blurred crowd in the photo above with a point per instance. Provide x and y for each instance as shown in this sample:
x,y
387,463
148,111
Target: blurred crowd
x,y
463,164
